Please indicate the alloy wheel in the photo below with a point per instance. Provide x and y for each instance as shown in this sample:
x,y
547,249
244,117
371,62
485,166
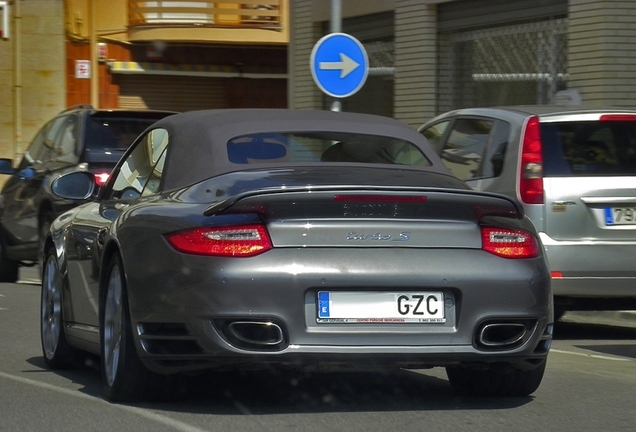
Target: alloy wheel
x,y
51,307
113,326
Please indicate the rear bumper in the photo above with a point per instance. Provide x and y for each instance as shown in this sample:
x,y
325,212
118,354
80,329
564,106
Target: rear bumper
x,y
183,317
336,358
591,269
595,287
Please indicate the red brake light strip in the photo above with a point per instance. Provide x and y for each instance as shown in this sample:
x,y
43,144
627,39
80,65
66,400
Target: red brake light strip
x,y
380,198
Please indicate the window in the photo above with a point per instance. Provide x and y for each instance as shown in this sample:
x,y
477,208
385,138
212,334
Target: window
x,y
157,143
493,164
50,140
435,133
41,148
589,148
323,147
465,147
110,132
140,173
36,148
178,12
66,148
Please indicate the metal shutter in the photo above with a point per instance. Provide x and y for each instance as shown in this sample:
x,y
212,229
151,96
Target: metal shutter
x,y
465,14
175,93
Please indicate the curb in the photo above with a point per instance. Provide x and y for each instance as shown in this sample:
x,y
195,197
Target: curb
x,y
625,314
619,318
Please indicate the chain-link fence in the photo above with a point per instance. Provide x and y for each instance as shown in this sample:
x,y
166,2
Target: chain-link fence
x,y
511,65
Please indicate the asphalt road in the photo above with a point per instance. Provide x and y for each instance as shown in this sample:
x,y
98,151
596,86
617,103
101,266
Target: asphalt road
x,y
590,385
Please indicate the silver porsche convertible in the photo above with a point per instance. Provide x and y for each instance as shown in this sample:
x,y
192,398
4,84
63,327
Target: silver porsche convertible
x,y
318,240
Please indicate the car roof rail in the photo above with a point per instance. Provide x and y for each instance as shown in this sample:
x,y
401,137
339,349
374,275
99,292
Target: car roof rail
x,y
78,106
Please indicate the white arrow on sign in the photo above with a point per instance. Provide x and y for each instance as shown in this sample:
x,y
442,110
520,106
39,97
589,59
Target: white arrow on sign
x,y
346,65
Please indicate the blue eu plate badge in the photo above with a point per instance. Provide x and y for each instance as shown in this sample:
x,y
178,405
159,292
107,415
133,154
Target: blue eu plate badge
x,y
323,304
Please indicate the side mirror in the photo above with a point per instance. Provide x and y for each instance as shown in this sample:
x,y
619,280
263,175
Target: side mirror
x,y
78,185
6,166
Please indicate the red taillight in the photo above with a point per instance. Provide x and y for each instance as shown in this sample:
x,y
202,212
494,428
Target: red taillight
x,y
232,241
618,117
380,198
509,243
531,172
556,275
101,178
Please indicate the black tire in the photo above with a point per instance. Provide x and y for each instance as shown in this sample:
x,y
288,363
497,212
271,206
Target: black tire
x,y
495,383
57,352
8,268
124,377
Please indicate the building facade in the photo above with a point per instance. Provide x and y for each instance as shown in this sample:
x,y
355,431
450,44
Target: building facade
x,y
452,54
170,55
425,56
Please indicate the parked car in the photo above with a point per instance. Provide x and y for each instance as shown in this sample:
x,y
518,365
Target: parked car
x,y
237,239
574,170
80,138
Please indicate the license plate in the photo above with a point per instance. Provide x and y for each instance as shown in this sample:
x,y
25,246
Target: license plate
x,y
380,307
620,216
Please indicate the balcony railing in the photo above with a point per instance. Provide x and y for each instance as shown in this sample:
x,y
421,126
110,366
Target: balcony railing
x,y
264,14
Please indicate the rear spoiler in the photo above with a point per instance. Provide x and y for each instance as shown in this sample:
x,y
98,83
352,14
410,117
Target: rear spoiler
x,y
490,203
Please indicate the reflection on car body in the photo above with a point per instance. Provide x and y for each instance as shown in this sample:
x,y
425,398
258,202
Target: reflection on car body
x,y
244,246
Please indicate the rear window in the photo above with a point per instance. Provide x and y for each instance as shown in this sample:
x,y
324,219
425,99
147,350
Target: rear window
x,y
599,148
323,147
111,133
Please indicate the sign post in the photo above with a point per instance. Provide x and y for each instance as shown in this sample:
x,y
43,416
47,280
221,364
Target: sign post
x,y
339,65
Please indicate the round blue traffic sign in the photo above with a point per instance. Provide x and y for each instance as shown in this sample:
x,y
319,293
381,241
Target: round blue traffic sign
x,y
339,64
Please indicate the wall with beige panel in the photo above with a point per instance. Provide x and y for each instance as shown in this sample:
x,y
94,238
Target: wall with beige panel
x,y
303,93
415,61
601,60
42,63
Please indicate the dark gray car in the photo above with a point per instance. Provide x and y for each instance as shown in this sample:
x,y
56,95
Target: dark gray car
x,y
574,171
277,238
80,138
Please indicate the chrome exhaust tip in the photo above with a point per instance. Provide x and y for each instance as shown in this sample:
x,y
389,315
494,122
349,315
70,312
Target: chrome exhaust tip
x,y
502,334
256,333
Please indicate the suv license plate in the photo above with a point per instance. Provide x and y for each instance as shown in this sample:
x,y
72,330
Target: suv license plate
x,y
620,216
380,307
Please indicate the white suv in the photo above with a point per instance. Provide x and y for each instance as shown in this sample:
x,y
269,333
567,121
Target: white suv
x,y
574,170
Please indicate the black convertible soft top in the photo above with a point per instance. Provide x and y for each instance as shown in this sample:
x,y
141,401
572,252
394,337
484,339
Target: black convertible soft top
x,y
198,139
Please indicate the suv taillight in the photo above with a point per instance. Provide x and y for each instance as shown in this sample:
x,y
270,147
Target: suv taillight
x,y
531,172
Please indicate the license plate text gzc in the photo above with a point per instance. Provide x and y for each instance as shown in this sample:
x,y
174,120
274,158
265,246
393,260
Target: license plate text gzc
x,y
380,307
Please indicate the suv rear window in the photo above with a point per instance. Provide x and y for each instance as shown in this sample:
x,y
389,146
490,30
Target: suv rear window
x,y
584,149
113,133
